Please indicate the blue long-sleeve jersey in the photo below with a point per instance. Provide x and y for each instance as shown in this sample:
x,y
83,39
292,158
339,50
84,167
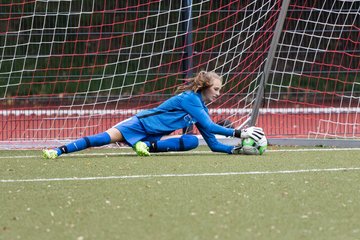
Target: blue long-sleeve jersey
x,y
181,111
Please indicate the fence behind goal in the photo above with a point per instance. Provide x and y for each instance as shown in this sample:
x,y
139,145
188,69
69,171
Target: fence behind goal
x,y
74,68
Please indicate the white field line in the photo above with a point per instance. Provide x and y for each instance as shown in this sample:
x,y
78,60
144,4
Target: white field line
x,y
178,175
175,153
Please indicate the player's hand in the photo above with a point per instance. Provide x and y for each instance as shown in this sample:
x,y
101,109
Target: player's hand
x,y
246,150
237,150
255,133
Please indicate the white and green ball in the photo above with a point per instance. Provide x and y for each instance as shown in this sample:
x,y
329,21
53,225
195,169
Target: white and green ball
x,y
251,147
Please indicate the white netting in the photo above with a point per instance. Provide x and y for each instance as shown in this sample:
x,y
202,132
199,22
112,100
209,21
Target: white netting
x,y
90,64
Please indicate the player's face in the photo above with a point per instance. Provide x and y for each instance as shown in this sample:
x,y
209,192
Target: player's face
x,y
211,93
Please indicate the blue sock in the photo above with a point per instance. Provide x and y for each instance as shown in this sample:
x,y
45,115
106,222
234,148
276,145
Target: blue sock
x,y
85,142
183,143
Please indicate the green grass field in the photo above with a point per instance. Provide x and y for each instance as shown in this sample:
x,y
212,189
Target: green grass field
x,y
113,194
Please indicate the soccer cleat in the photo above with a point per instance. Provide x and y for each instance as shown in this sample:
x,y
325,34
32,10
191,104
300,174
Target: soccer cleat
x,y
141,149
49,154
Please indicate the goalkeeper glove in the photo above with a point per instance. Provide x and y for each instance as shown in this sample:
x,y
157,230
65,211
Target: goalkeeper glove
x,y
237,150
255,133
246,150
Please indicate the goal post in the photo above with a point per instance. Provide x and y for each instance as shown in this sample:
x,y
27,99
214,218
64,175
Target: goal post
x,y
74,68
267,66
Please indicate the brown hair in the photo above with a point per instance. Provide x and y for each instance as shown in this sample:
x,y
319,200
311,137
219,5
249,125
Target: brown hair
x,y
201,81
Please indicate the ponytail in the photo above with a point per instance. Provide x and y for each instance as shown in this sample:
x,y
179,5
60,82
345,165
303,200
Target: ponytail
x,y
202,80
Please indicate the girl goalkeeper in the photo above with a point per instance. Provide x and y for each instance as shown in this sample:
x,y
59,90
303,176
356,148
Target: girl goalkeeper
x,y
143,132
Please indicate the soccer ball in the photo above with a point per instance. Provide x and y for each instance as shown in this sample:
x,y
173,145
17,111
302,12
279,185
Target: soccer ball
x,y
251,147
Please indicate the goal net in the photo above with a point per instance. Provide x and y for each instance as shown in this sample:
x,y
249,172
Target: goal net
x,y
74,68
315,73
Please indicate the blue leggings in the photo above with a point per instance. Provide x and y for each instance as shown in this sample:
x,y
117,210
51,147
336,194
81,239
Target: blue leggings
x,y
183,143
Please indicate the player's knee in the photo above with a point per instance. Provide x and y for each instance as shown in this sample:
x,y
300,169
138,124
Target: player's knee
x,y
189,142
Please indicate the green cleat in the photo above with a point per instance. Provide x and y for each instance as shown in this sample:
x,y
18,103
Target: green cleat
x,y
49,154
141,149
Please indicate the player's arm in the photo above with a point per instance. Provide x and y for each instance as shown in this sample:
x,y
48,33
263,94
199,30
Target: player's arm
x,y
195,109
212,142
216,146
